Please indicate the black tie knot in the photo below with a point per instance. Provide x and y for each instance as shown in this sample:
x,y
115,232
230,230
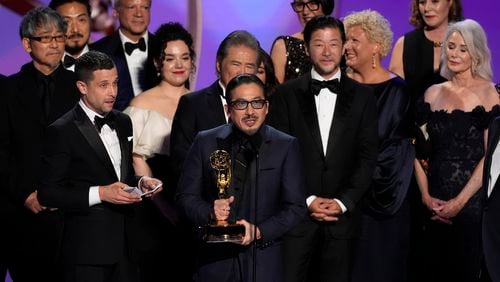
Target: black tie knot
x,y
332,85
109,119
68,61
130,47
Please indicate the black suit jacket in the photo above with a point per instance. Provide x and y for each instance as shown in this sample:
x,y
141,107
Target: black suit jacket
x,y
491,213
113,47
75,159
23,125
345,172
196,111
281,200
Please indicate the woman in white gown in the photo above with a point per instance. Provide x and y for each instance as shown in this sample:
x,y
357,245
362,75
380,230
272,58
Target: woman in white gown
x,y
152,114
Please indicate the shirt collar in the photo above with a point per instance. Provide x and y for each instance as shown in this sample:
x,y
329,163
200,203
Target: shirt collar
x,y
85,50
90,113
223,89
317,76
125,39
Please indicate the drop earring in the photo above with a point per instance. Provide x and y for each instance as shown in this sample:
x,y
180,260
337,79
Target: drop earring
x,y
374,65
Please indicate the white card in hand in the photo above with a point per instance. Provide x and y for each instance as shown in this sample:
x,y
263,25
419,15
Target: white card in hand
x,y
137,191
133,190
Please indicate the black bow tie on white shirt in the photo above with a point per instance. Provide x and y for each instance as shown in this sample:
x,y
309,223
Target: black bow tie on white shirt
x,y
68,61
130,47
333,85
109,119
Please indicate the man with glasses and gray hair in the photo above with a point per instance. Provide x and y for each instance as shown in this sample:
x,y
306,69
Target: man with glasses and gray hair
x,y
33,98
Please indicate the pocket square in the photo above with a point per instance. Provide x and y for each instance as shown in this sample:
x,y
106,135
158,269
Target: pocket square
x,y
130,138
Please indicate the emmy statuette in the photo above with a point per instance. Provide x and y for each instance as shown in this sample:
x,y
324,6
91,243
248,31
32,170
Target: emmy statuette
x,y
222,230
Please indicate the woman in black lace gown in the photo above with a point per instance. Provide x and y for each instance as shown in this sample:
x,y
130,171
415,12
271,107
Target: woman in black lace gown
x,y
385,224
416,58
288,51
456,115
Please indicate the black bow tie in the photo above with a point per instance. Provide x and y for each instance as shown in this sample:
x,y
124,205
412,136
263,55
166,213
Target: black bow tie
x,y
109,119
130,47
68,61
332,85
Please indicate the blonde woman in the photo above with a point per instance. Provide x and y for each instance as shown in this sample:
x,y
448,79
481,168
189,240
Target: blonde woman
x,y
385,208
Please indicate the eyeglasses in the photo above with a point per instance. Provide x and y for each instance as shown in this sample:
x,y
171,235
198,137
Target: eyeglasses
x,y
242,104
48,39
299,6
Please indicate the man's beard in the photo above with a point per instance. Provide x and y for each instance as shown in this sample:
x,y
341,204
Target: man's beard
x,y
75,49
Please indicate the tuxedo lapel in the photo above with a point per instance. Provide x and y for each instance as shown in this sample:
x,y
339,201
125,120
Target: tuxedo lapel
x,y
215,104
121,132
492,144
340,118
90,133
117,46
264,150
306,99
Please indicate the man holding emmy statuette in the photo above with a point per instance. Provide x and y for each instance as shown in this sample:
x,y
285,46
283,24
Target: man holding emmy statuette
x,y
242,184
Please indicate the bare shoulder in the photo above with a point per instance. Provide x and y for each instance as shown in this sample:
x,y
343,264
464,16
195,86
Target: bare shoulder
x,y
433,92
490,95
396,63
278,46
400,42
144,99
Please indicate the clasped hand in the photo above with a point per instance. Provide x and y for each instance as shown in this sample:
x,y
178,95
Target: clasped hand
x,y
443,211
325,209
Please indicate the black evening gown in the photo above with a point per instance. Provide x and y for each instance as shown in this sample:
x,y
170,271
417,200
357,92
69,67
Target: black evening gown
x,y
453,252
297,61
382,248
418,64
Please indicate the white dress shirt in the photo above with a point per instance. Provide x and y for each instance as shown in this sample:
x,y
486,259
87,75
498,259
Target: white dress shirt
x,y
223,99
111,143
325,108
495,168
135,62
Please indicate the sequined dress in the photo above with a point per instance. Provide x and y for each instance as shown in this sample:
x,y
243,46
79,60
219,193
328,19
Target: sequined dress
x,y
457,140
297,61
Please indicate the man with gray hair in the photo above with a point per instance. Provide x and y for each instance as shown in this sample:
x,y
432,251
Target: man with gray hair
x,y
131,48
204,109
33,98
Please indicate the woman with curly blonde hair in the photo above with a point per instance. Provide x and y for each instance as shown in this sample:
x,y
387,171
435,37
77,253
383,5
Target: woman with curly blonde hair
x,y
385,208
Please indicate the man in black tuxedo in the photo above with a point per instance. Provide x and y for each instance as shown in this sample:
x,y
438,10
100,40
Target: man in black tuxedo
x,y
76,14
491,212
33,98
204,109
132,48
335,121
265,193
87,171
